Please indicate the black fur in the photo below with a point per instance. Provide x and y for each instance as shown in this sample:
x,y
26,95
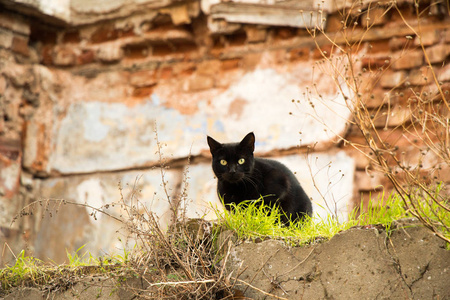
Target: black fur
x,y
252,178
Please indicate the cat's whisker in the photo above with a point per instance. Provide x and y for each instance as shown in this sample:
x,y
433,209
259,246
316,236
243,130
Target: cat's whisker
x,y
249,179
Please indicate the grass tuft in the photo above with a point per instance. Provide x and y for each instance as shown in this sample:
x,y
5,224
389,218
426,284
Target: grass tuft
x,y
254,220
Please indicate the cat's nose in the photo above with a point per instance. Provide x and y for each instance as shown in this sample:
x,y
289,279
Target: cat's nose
x,y
232,169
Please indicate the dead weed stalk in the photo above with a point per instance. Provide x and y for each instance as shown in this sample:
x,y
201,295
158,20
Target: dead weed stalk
x,y
179,263
407,136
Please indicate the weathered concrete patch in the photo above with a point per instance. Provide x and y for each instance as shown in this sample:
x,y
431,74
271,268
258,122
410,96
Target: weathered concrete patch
x,y
263,101
356,264
110,136
97,133
201,192
72,226
10,171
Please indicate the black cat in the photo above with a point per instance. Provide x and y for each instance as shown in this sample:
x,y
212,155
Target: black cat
x,y
240,177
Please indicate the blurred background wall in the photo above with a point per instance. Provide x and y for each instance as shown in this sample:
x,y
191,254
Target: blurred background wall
x,y
85,86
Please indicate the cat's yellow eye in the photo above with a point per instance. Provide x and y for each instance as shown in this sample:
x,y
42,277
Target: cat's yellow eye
x,y
223,162
241,161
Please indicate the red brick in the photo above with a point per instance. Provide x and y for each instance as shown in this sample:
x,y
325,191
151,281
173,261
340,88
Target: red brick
x,y
237,39
136,51
442,173
110,53
361,159
230,64
406,12
143,78
444,73
161,50
428,38
376,98
392,116
251,60
392,79
185,70
285,33
378,46
373,62
71,37
334,23
209,67
410,59
446,36
401,96
87,56
399,43
2,85
437,53
142,91
301,54
374,16
104,33
20,45
255,34
198,83
398,115
47,54
64,56
317,54
369,181
186,47
218,42
420,76
166,73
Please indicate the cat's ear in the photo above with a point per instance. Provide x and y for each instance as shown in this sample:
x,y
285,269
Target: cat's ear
x,y
213,145
248,142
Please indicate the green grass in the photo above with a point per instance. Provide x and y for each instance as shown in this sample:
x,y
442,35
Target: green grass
x,y
25,267
30,270
432,208
252,220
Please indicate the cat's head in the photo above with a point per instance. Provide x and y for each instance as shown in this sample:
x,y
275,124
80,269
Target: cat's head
x,y
231,162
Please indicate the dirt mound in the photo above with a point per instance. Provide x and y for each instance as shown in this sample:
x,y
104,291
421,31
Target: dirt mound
x,y
360,263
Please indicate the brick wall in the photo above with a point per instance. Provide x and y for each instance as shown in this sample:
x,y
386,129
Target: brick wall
x,y
80,95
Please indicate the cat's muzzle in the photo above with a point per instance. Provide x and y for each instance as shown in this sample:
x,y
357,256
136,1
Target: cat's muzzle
x,y
233,177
